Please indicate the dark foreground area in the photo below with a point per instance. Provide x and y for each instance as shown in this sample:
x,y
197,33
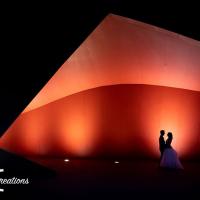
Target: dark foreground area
x,y
99,179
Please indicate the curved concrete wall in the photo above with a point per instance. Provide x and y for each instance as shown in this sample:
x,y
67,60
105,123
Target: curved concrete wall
x,y
119,120
125,82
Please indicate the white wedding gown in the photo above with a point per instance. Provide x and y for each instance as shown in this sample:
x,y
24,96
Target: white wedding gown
x,y
170,159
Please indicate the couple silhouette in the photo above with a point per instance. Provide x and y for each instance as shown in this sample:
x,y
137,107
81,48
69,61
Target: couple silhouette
x,y
168,157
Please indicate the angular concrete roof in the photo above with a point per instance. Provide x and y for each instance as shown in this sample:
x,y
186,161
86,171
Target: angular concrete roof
x,y
124,51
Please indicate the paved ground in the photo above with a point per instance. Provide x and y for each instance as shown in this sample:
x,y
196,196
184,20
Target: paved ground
x,y
103,179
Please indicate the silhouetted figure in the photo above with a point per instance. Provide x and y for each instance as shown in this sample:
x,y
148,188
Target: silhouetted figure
x,y
161,143
169,140
170,158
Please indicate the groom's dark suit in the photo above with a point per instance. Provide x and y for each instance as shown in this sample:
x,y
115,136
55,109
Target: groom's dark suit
x,y
161,144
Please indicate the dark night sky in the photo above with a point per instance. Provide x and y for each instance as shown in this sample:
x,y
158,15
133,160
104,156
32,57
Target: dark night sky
x,y
37,39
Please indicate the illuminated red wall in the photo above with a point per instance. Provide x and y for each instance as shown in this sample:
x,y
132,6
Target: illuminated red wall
x,y
120,120
125,82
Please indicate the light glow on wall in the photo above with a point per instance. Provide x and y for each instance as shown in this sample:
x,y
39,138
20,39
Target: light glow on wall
x,y
126,82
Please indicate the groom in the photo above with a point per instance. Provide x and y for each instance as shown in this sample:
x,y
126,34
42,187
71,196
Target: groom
x,y
161,143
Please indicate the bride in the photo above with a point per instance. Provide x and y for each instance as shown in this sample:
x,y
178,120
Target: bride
x,y
170,158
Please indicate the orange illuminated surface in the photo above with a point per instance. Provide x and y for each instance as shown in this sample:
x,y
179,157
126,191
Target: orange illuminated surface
x,y
124,83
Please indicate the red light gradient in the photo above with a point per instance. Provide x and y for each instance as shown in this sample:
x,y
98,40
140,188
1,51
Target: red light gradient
x,y
124,51
120,120
125,82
